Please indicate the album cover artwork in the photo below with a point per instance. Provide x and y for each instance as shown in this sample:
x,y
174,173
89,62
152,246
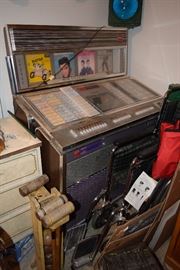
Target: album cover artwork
x,y
38,67
21,71
86,63
64,65
104,61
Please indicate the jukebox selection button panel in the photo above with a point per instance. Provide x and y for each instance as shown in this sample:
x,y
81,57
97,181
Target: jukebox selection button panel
x,y
88,129
121,118
143,111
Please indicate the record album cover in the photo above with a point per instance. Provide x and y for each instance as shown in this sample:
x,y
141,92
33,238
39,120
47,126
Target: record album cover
x,y
104,61
64,65
38,67
86,63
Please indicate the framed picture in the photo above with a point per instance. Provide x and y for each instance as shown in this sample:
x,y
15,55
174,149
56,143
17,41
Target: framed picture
x,y
64,65
38,67
86,63
104,61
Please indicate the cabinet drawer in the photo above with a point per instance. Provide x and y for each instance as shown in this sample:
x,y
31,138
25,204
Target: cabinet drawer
x,y
19,169
18,224
11,199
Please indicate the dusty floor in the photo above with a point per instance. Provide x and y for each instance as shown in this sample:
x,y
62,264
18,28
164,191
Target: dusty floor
x,y
28,262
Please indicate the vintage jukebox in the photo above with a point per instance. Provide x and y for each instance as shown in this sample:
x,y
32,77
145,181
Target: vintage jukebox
x,y
80,113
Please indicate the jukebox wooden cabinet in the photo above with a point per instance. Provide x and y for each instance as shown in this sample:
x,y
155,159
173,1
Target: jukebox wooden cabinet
x,y
20,162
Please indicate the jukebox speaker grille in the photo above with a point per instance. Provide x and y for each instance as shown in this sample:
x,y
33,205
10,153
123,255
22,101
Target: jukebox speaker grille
x,y
84,191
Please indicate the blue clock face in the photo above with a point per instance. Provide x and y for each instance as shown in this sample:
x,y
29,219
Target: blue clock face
x,y
125,9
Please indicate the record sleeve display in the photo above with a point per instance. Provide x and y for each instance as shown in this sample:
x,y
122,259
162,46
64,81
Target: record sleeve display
x,y
38,67
104,61
86,63
64,65
46,56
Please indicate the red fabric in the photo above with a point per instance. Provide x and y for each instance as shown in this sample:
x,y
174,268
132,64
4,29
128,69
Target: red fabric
x,y
169,151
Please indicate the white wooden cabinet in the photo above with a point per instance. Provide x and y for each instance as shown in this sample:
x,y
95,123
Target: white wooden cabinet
x,y
20,162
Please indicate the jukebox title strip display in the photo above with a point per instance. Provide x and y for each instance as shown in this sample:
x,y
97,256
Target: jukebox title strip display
x,y
61,106
66,104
